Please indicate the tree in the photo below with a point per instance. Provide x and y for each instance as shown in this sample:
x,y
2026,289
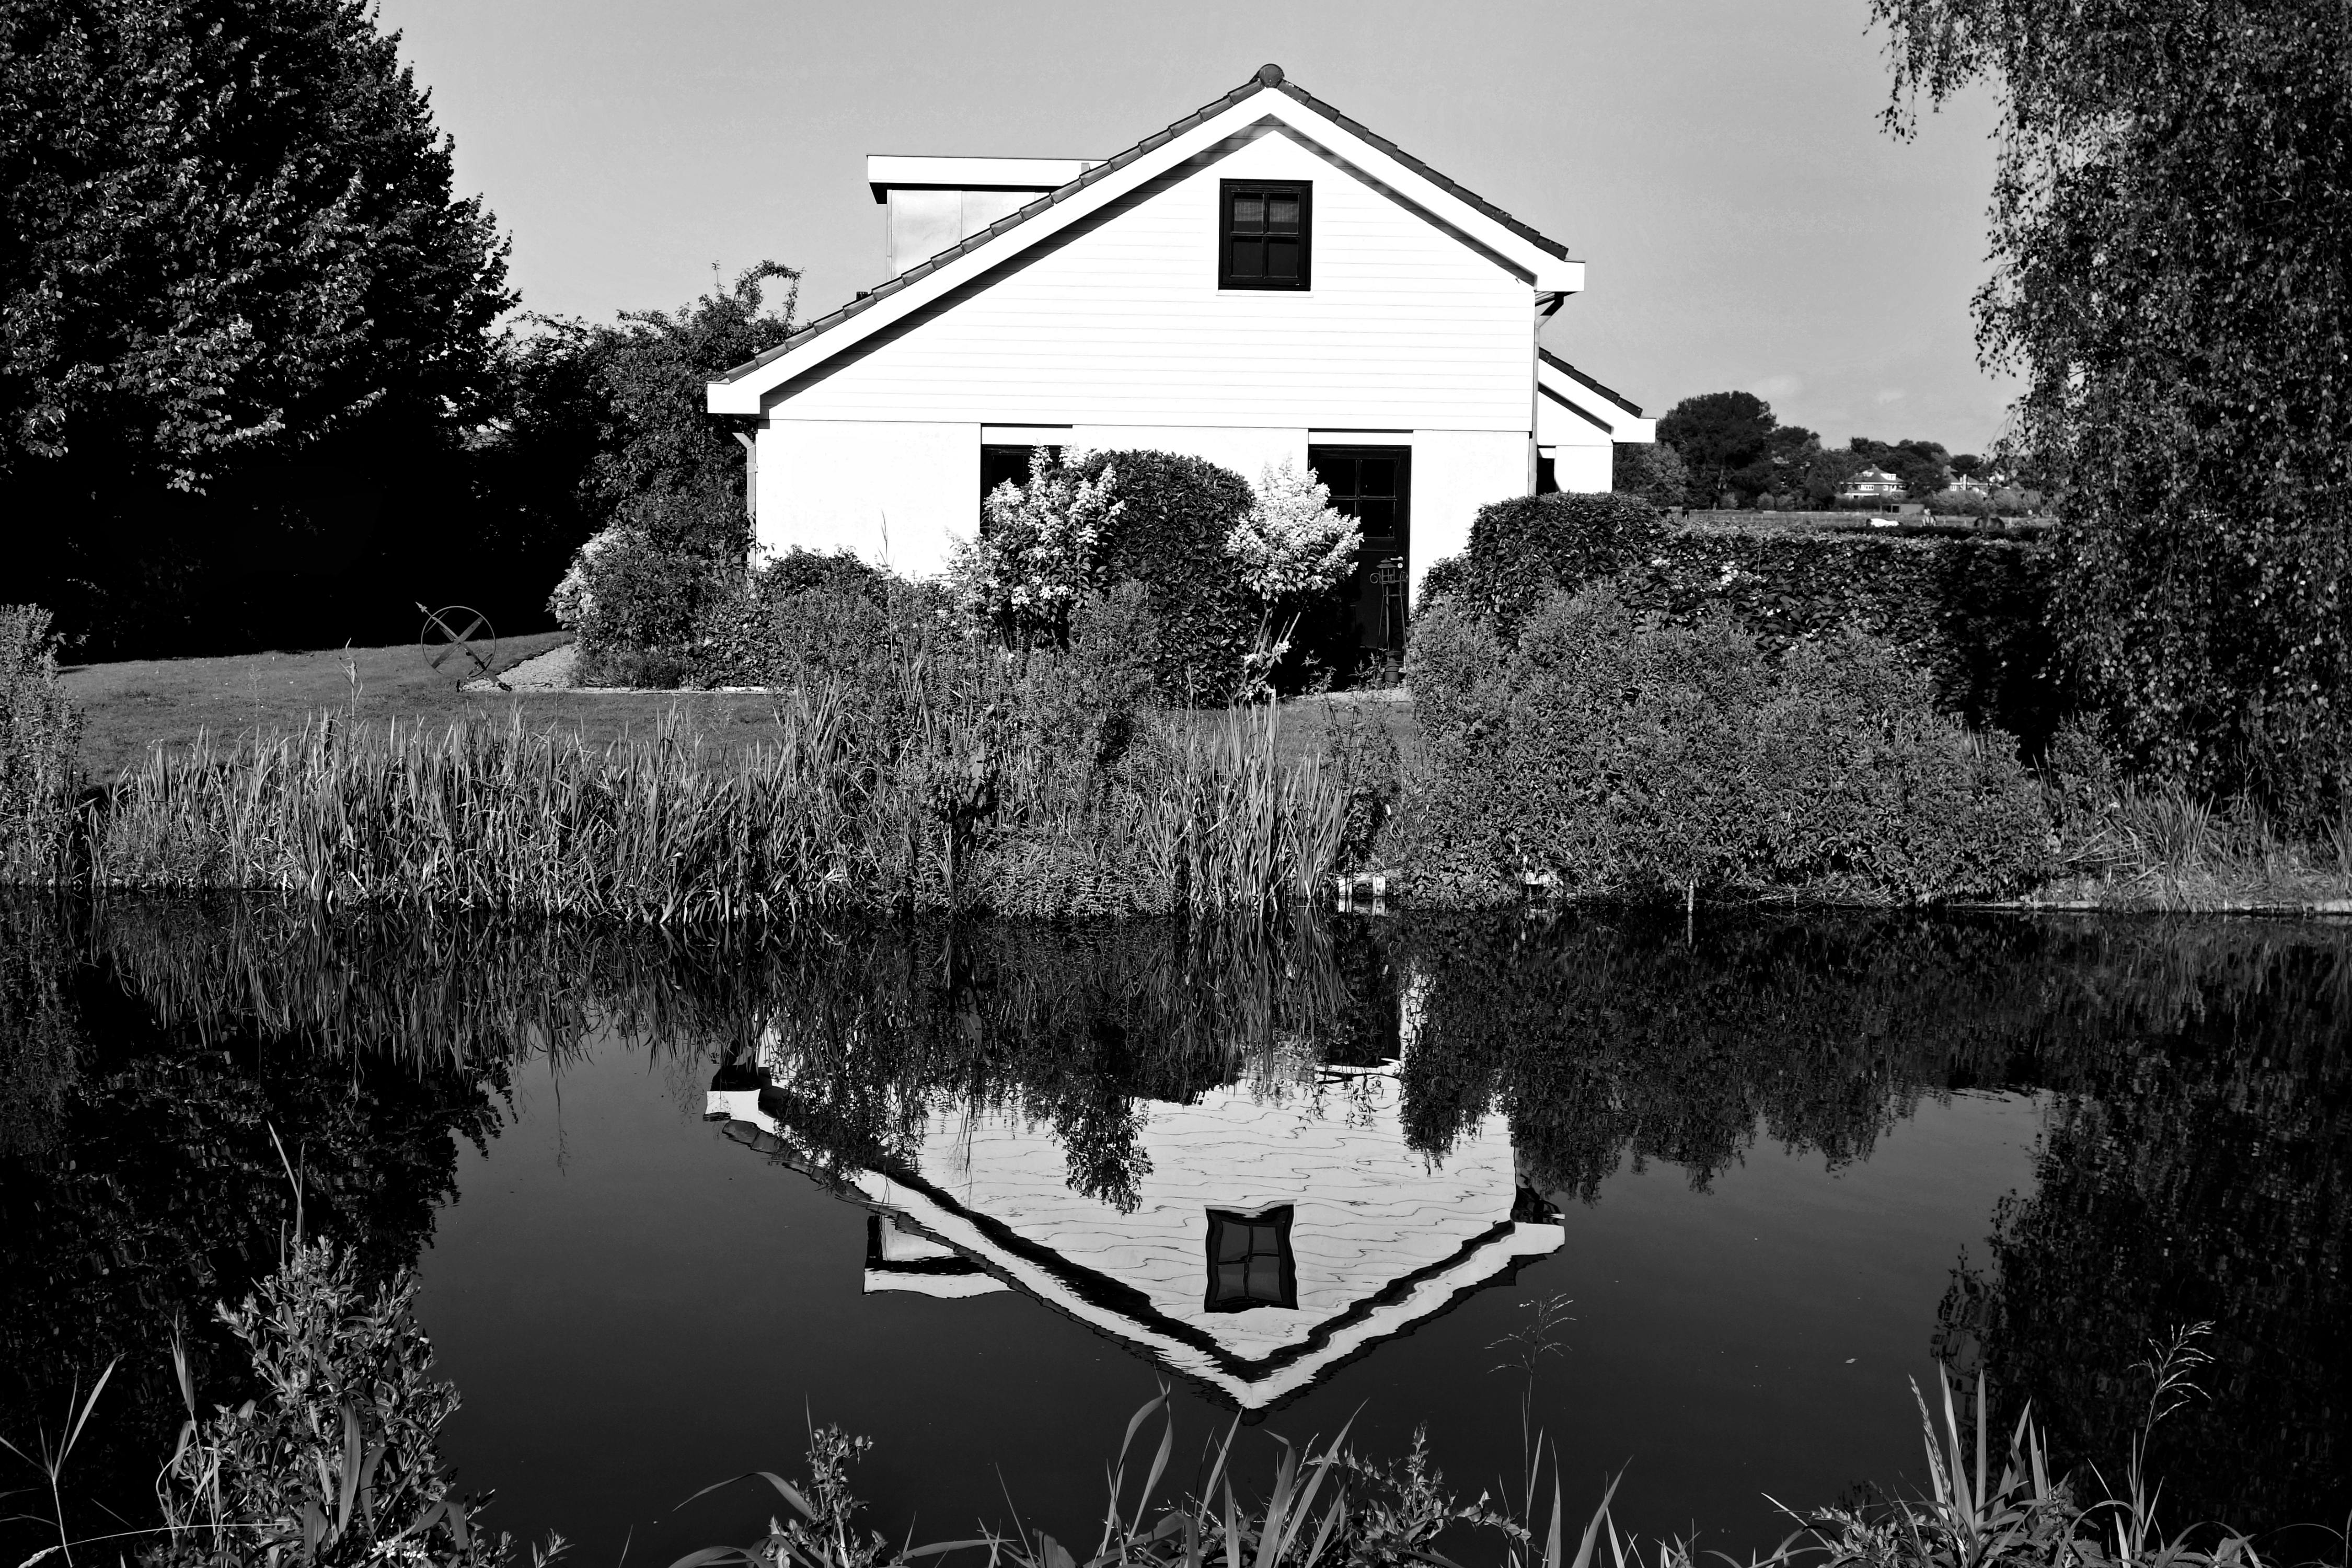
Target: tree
x,y
244,318
2172,228
657,479
1719,435
1730,442
1922,465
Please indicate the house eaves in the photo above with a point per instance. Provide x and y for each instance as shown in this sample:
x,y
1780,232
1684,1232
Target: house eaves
x,y
1590,401
1545,261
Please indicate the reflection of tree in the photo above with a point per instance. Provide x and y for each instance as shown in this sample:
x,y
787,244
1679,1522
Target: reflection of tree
x,y
1604,1040
2198,1166
1069,1027
148,1187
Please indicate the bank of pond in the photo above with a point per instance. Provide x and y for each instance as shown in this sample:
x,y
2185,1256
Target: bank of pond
x,y
1694,1196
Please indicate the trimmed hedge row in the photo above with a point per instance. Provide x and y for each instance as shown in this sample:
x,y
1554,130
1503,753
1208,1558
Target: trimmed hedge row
x,y
1973,612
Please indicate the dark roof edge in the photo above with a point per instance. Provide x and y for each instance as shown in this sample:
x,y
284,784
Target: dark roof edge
x,y
1586,382
1451,187
1268,77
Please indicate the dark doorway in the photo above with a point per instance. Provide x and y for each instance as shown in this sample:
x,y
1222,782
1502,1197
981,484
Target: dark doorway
x,y
1008,466
1360,630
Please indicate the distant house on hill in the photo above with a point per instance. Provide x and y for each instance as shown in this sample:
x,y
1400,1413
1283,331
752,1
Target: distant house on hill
x,y
1872,484
1264,279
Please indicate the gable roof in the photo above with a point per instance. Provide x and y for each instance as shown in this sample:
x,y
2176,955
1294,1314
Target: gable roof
x,y
1545,260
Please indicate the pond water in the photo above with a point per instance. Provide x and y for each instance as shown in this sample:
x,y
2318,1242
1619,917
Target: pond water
x,y
1694,1200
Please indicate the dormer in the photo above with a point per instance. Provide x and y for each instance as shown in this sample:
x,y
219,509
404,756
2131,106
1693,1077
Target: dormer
x,y
935,202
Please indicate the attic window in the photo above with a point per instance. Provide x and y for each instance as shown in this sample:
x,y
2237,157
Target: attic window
x,y
1263,234
1249,1261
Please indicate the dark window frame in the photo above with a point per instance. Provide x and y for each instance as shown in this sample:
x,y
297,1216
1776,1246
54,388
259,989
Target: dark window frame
x,y
1226,190
1285,1267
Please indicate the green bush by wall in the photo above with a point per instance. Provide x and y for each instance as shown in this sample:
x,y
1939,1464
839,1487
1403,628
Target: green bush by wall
x,y
1621,755
1178,512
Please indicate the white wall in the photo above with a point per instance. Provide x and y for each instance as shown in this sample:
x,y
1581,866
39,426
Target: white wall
x,y
896,493
1592,469
1121,333
1455,472
1583,456
1404,328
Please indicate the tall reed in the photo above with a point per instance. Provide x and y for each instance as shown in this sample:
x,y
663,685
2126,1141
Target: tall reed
x,y
962,807
40,731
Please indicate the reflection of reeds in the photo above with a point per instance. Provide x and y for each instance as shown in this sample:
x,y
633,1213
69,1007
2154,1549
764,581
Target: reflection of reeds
x,y
955,808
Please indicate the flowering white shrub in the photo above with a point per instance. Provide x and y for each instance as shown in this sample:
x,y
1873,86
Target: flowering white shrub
x,y
572,602
1292,544
1039,547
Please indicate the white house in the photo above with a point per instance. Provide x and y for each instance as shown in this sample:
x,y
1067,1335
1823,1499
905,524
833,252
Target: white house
x,y
1264,279
1275,1235
1872,484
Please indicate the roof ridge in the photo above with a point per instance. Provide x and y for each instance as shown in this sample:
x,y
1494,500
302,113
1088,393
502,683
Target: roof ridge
x,y
1267,78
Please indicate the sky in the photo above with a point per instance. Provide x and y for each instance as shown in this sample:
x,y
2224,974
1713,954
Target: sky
x,y
1719,165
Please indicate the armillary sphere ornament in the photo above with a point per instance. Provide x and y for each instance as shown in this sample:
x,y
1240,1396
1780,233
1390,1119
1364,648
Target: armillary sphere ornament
x,y
457,639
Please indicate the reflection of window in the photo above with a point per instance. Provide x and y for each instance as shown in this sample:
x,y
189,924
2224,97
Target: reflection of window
x,y
1249,1261
1262,234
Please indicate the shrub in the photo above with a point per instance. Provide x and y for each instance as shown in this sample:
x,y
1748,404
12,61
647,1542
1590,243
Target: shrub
x,y
1623,755
632,603
1292,545
1523,548
40,734
799,571
338,1461
1651,470
1039,550
1172,536
802,616
1085,523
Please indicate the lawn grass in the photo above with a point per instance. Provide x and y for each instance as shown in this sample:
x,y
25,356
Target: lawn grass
x,y
131,706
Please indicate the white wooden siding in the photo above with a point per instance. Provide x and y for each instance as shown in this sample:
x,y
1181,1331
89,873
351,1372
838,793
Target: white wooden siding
x,y
1405,326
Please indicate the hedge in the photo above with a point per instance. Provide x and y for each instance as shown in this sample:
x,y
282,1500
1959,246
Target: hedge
x,y
1620,755
1972,612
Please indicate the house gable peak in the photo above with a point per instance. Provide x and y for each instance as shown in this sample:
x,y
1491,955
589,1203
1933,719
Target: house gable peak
x,y
1545,260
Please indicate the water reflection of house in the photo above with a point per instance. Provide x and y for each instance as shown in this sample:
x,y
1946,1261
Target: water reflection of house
x,y
1275,1237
